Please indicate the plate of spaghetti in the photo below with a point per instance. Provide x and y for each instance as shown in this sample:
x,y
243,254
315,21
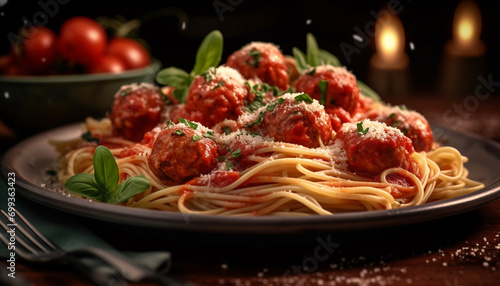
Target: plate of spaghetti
x,y
263,142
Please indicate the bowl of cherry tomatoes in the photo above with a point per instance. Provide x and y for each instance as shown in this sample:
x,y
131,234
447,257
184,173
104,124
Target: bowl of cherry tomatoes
x,y
50,79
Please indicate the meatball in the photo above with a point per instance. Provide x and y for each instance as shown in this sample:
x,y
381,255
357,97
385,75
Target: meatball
x,y
338,116
181,153
294,120
262,61
372,147
136,110
411,123
342,89
216,95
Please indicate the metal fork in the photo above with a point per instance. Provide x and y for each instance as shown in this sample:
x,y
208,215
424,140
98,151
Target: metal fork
x,y
32,246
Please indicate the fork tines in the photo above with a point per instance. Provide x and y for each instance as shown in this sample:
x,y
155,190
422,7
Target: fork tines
x,y
22,237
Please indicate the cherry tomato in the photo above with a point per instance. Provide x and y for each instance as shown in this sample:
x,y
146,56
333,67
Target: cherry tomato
x,y
133,54
82,41
5,62
14,65
40,49
107,64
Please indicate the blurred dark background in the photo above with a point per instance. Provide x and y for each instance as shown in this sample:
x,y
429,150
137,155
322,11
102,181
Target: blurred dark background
x,y
427,24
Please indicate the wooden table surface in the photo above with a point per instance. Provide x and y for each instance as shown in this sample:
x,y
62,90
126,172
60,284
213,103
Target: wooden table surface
x,y
458,250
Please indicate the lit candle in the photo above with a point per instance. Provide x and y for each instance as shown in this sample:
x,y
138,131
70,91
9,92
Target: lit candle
x,y
389,44
466,31
463,54
388,72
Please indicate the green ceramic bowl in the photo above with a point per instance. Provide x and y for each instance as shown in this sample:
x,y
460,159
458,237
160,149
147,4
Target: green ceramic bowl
x,y
31,104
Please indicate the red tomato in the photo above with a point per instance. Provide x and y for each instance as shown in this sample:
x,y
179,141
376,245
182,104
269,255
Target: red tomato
x,y
133,54
82,41
107,64
13,65
40,49
5,62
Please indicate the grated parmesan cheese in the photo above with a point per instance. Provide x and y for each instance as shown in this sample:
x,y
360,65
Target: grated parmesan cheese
x,y
130,88
229,74
258,46
247,118
342,74
376,130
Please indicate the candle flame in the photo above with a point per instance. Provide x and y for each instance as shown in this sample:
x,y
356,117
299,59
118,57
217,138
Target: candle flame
x,y
467,24
389,38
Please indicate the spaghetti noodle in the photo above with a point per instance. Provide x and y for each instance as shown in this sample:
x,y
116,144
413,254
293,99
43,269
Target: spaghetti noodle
x,y
287,179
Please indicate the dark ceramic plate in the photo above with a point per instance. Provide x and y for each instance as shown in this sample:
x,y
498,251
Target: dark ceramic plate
x,y
31,159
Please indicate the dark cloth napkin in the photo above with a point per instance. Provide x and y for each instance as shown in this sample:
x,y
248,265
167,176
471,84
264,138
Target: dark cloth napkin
x,y
67,232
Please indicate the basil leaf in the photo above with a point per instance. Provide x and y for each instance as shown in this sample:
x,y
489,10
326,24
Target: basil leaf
x,y
129,188
84,185
368,92
173,76
105,169
209,53
326,58
181,94
300,58
312,50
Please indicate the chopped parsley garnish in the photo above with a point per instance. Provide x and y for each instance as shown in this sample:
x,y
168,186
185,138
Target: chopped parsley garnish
x,y
392,115
236,153
221,159
188,123
323,86
126,91
196,138
210,135
256,58
229,165
219,85
397,123
179,132
209,74
260,93
259,119
253,134
276,91
87,136
272,106
226,129
259,97
303,97
360,128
